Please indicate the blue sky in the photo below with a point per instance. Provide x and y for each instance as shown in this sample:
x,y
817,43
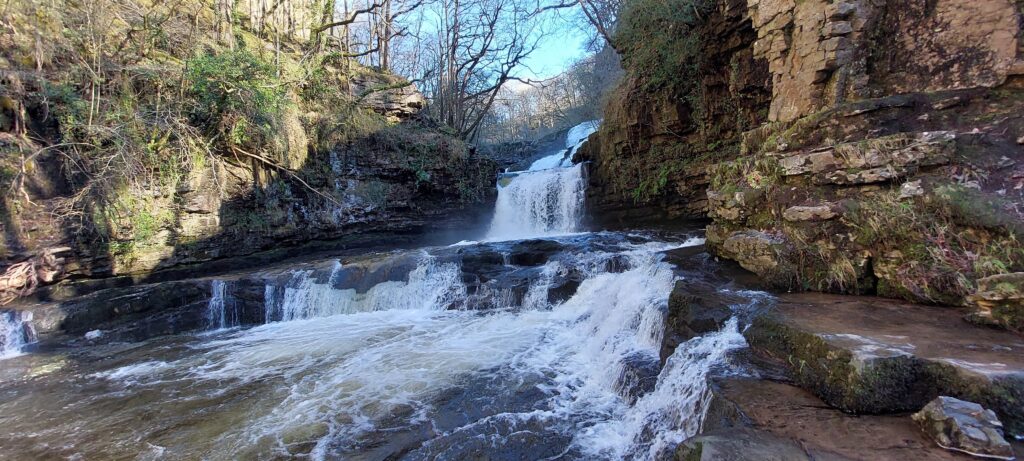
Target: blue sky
x,y
557,50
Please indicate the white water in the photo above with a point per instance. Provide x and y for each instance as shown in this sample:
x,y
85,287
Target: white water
x,y
575,138
392,348
15,330
337,373
430,286
539,204
219,314
547,199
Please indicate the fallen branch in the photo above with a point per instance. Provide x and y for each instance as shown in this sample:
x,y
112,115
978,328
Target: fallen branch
x,y
279,167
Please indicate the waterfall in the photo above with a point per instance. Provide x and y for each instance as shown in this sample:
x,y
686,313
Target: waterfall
x,y
539,204
15,331
220,311
547,199
499,350
430,286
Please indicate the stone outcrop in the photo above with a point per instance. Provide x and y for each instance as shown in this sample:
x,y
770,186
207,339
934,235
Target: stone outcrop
x,y
769,419
964,426
1000,301
387,95
821,53
864,138
649,160
872,356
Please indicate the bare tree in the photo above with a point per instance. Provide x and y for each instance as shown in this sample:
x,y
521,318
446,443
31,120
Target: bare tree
x,y
480,46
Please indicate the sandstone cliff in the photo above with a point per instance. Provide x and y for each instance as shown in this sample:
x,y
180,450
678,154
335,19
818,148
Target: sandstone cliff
x,y
855,146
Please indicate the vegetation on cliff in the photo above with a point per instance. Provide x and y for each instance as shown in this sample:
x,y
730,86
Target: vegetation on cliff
x,y
144,135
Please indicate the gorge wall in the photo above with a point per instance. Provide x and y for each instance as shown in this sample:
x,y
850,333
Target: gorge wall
x,y
846,146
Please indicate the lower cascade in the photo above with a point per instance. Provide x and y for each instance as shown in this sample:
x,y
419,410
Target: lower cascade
x,y
15,331
503,349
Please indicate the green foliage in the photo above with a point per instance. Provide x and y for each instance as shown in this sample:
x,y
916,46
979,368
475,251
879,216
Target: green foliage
x,y
757,172
932,255
236,92
660,42
652,187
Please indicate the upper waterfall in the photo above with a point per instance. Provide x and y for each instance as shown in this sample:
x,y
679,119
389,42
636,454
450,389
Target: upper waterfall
x,y
546,199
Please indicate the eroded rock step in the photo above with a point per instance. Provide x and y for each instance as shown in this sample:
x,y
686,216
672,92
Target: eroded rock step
x,y
753,419
875,356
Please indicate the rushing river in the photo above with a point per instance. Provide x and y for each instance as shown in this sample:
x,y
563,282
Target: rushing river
x,y
552,356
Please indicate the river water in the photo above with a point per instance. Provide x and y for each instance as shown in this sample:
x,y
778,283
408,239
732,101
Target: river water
x,y
552,352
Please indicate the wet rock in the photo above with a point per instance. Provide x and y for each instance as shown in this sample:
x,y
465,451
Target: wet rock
x,y
562,289
809,213
999,301
639,376
130,313
694,311
786,412
740,445
533,252
964,426
869,355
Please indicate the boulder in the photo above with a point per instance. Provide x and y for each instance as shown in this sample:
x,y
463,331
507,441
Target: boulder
x,y
999,301
758,252
964,426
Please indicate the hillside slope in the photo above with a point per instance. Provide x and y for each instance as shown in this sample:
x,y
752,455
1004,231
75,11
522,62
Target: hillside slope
x,y
135,139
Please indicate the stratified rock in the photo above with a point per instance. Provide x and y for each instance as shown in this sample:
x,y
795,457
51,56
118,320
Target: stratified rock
x,y
964,426
816,49
733,206
387,95
1000,301
872,160
869,355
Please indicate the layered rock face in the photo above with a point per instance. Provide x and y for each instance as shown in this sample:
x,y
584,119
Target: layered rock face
x,y
880,147
650,157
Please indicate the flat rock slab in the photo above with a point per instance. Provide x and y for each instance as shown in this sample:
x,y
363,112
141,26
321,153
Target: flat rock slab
x,y
871,355
784,412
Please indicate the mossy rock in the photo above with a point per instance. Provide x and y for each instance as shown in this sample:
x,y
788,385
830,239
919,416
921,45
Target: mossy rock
x,y
886,382
861,376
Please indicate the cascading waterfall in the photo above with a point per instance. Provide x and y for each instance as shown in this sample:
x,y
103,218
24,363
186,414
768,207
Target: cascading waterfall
x,y
547,199
431,285
15,331
539,204
430,357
